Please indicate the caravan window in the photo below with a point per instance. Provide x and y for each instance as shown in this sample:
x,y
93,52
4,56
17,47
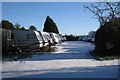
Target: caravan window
x,y
30,36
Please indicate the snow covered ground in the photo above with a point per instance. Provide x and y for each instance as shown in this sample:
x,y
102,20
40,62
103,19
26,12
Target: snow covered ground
x,y
72,60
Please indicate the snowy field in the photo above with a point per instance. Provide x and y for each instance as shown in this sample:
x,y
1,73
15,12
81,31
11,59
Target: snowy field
x,y
72,60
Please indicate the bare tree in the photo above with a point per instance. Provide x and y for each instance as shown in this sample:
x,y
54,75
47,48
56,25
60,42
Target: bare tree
x,y
105,11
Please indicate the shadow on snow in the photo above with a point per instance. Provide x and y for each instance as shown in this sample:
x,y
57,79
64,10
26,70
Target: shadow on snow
x,y
74,72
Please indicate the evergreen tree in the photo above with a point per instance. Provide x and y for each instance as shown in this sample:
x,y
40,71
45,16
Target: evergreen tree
x,y
7,25
50,26
32,27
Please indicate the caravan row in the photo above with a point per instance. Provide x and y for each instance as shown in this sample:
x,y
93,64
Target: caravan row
x,y
32,39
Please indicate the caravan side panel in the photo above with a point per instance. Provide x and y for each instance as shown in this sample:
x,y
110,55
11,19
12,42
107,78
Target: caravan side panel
x,y
26,38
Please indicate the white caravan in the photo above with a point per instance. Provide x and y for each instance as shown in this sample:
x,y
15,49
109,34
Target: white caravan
x,y
26,38
47,40
60,38
55,38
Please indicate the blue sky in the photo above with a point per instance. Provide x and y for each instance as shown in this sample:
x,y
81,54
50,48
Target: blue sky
x,y
70,17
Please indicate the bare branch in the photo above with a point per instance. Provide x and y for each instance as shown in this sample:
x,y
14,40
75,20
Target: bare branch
x,y
105,11
117,13
111,8
118,5
98,14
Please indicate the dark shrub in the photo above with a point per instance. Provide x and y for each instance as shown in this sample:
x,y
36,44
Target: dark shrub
x,y
107,38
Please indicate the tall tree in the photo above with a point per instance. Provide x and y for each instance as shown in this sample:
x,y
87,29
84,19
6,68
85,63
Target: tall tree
x,y
105,11
32,27
107,37
50,26
7,25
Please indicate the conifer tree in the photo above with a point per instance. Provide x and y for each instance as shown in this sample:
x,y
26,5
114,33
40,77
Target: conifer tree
x,y
50,26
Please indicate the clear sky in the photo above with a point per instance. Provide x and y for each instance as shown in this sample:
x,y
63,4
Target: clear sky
x,y
70,17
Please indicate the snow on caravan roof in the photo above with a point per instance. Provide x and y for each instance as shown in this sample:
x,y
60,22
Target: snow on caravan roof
x,y
47,35
44,36
38,35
